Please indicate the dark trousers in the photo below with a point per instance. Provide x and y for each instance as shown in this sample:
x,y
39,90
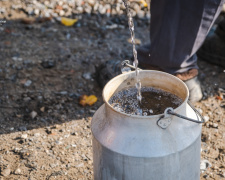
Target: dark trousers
x,y
177,30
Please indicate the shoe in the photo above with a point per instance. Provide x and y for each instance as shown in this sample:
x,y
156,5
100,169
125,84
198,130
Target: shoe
x,y
195,91
190,78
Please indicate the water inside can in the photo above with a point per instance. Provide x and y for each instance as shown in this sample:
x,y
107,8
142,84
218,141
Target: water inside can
x,y
154,101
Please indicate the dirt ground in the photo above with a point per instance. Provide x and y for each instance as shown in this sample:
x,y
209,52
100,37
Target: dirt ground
x,y
45,67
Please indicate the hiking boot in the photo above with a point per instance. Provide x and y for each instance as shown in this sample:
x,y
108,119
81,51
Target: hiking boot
x,y
112,68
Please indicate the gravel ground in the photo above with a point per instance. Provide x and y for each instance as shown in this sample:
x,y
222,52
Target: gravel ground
x,y
45,68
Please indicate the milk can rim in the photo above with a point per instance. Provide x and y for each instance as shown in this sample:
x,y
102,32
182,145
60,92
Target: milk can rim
x,y
144,117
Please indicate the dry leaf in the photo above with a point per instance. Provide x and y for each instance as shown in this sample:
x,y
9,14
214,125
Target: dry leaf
x,y
87,100
91,100
219,97
83,99
144,3
68,21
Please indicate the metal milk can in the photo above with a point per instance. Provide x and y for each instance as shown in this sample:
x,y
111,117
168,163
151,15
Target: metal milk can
x,y
159,147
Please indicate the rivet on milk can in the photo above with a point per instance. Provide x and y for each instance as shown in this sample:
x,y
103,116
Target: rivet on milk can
x,y
158,147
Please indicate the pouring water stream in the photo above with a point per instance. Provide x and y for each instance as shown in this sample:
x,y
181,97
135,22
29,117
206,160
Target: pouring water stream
x,y
135,63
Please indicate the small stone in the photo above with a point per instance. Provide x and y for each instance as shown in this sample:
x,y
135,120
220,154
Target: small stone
x,y
141,14
37,134
22,128
36,11
59,142
28,83
87,76
215,125
17,171
6,172
26,99
48,64
42,109
23,136
92,111
61,13
79,165
40,98
206,118
205,164
63,92
15,58
33,114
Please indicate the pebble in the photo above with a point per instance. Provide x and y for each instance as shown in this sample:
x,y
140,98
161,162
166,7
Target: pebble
x,y
79,165
6,172
17,171
28,83
204,164
22,128
140,14
92,111
63,92
87,76
206,118
26,99
37,134
215,125
48,64
23,136
74,145
33,114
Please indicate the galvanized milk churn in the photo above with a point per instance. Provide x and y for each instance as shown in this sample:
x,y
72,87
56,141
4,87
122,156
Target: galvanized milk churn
x,y
159,147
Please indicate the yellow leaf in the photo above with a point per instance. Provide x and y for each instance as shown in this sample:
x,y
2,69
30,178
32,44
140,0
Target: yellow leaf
x,y
91,100
87,100
83,99
68,21
144,3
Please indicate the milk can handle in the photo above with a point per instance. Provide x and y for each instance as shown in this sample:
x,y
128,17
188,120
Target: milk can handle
x,y
187,118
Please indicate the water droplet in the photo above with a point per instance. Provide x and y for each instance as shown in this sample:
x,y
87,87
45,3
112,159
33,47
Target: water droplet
x,y
138,85
145,113
139,112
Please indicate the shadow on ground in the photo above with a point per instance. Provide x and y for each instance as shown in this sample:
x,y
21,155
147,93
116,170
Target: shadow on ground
x,y
46,66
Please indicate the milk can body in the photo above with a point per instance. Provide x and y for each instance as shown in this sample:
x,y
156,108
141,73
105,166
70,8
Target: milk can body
x,y
130,147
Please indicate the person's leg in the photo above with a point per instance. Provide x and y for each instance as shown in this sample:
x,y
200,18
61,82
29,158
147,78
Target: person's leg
x,y
177,30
